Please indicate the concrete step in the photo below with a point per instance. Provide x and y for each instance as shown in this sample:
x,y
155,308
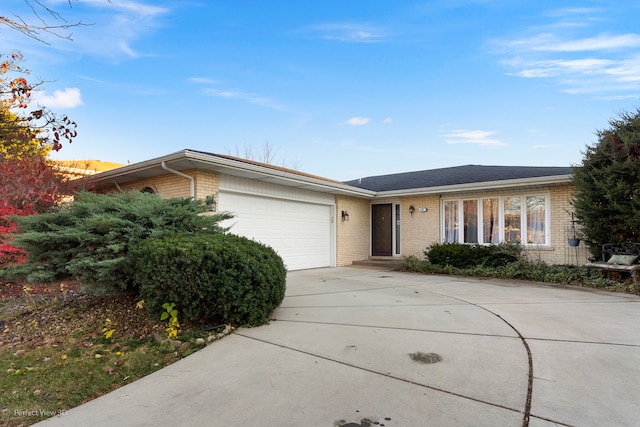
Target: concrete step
x,y
386,263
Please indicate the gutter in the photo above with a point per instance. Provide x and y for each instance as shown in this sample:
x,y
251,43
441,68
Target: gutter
x,y
221,162
192,184
269,172
478,186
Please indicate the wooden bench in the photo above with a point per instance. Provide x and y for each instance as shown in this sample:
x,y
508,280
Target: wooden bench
x,y
619,258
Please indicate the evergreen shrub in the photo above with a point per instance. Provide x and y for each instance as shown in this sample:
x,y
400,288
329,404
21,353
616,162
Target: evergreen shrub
x,y
90,237
607,185
453,254
224,278
525,270
461,255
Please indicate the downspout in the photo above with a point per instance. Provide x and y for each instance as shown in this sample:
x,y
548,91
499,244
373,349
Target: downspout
x,y
192,184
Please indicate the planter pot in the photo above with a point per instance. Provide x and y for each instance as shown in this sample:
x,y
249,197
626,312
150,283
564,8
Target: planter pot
x,y
574,242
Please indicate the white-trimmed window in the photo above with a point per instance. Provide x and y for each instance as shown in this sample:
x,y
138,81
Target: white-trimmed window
x,y
517,219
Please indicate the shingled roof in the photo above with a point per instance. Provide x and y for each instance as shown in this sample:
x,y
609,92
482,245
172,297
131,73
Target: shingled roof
x,y
458,175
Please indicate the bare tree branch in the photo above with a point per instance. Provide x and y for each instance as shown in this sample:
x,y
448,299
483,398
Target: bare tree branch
x,y
36,31
266,154
46,127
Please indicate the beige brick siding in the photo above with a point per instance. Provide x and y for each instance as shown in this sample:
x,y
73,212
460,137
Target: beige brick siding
x,y
560,252
353,236
422,228
418,231
172,185
207,183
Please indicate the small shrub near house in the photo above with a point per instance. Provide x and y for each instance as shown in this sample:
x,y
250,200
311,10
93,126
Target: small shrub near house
x,y
506,261
222,278
460,255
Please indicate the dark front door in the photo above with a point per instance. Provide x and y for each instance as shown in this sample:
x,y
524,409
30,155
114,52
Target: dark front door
x,y
381,230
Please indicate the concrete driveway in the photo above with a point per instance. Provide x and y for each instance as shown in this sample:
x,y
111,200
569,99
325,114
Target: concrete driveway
x,y
368,347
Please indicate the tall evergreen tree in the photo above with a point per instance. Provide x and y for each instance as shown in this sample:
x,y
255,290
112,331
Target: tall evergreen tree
x,y
607,197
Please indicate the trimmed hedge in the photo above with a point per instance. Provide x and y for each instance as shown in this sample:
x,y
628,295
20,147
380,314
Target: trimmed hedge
x,y
223,277
526,270
461,255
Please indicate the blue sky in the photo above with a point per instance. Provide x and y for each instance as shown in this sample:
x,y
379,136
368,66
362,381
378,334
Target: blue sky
x,y
341,89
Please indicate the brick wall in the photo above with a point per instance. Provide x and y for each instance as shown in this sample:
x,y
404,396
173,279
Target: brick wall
x,y
353,236
560,213
422,228
172,185
207,183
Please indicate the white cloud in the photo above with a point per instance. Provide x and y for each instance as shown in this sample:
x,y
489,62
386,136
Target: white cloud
x,y
136,8
571,12
577,52
476,137
576,17
202,80
251,98
114,28
551,68
547,42
601,42
357,121
587,75
350,32
619,97
600,64
387,120
124,47
91,79
67,98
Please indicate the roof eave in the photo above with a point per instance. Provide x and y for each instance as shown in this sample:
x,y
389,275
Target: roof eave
x,y
284,177
237,167
479,186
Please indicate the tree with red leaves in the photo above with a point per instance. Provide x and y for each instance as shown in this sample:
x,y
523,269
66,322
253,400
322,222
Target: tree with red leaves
x,y
29,183
33,184
9,254
28,186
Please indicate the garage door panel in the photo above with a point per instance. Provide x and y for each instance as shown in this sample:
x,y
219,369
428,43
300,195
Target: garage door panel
x,y
299,232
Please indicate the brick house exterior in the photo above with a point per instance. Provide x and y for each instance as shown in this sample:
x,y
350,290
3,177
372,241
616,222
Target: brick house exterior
x,y
272,201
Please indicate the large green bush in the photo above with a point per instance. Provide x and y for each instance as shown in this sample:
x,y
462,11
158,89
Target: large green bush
x,y
607,184
225,278
461,255
90,237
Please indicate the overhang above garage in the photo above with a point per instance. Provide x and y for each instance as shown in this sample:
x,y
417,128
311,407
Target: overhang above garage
x,y
228,165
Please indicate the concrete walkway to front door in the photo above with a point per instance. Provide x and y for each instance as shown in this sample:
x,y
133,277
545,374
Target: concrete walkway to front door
x,y
369,347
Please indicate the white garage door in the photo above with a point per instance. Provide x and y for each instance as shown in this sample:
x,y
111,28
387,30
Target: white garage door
x,y
300,232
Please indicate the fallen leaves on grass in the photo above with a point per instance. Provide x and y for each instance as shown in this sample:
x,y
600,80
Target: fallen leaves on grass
x,y
60,347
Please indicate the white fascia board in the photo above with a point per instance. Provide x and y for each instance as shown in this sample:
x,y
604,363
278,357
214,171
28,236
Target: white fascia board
x,y
274,175
479,186
307,181
136,167
299,180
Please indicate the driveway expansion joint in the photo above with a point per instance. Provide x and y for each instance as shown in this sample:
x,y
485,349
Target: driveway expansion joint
x,y
386,375
395,328
527,411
